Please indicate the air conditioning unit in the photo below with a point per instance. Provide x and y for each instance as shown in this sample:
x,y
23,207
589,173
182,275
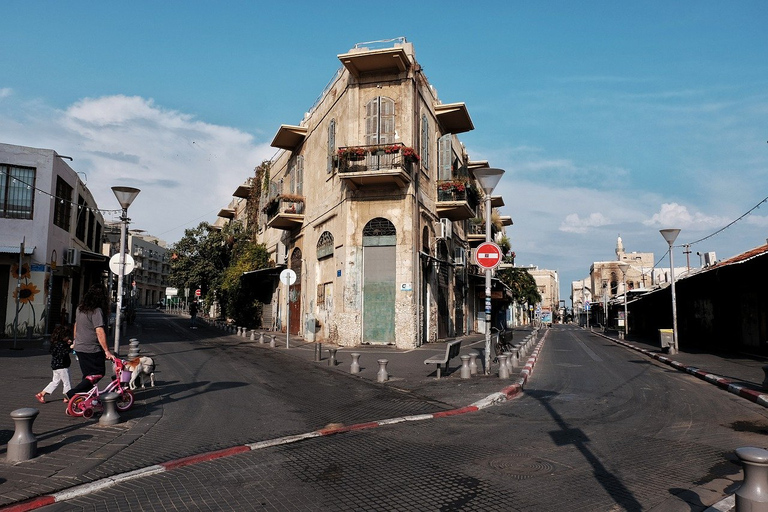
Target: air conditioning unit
x,y
72,257
709,258
446,228
459,256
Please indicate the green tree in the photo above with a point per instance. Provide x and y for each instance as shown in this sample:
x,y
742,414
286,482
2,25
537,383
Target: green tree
x,y
522,284
213,259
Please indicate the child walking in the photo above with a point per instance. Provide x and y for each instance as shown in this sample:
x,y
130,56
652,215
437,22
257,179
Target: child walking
x,y
61,346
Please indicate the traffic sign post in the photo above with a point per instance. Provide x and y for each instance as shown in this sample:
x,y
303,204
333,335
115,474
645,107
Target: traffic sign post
x,y
287,277
198,292
488,255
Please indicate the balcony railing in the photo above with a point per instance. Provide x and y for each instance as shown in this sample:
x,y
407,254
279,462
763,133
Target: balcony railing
x,y
285,212
376,165
456,200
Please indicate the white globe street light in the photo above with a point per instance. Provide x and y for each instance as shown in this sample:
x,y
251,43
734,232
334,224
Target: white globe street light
x,y
125,196
670,235
488,178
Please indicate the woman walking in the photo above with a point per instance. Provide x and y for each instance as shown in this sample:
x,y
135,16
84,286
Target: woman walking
x,y
91,338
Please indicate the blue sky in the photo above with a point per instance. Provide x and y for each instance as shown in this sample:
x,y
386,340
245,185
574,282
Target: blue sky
x,y
609,117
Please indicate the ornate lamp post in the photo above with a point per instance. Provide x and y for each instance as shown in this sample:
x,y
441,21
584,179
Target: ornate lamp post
x,y
624,266
670,235
488,178
125,196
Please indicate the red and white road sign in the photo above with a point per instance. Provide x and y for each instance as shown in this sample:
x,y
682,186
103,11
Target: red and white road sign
x,y
488,255
198,292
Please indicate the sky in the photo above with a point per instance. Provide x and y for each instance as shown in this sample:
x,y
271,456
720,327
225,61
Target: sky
x,y
609,118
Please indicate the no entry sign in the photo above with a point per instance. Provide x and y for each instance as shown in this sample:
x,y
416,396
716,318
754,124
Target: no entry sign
x,y
488,255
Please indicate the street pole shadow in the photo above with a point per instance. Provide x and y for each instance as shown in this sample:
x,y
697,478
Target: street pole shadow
x,y
568,435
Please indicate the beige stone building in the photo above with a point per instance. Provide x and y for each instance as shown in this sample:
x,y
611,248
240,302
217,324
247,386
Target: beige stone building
x,y
372,202
548,283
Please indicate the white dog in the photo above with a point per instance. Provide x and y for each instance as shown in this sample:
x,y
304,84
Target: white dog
x,y
140,368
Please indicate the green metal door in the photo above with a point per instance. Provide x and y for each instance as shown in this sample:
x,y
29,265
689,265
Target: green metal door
x,y
379,286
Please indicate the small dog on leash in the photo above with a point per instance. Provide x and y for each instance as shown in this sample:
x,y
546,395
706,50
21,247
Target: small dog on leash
x,y
141,368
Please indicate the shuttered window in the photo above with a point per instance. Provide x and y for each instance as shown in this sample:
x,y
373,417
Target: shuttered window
x,y
380,121
444,157
331,145
424,141
296,175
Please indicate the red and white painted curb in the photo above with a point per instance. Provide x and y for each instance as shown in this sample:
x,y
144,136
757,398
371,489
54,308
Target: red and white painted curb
x,y
505,394
721,382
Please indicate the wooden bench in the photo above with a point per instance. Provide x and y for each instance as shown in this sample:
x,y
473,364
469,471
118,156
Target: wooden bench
x,y
451,350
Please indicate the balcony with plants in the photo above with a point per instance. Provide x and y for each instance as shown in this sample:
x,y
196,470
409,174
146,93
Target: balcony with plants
x,y
457,199
376,165
476,228
285,211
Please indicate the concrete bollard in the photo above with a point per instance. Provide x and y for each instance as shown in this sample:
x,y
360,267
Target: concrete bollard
x,y
355,367
510,369
261,338
503,370
765,380
382,375
318,351
752,496
110,416
515,362
332,357
23,444
253,335
272,340
473,362
466,373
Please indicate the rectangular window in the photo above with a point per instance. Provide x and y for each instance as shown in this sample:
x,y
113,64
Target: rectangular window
x,y
17,192
62,210
444,157
81,219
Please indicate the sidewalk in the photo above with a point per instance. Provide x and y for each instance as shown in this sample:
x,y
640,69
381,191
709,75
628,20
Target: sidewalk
x,y
63,460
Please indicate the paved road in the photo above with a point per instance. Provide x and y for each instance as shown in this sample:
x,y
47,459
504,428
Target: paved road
x,y
598,428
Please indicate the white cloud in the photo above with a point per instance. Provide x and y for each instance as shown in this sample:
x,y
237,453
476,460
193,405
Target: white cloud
x,y
186,169
673,214
575,224
5,92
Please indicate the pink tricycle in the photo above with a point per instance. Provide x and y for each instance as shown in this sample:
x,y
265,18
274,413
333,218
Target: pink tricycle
x,y
86,404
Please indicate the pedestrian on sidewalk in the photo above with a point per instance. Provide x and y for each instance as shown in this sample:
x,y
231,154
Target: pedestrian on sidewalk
x,y
193,313
91,338
61,346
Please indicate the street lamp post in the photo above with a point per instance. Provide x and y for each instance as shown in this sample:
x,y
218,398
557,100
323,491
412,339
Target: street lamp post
x,y
624,266
125,196
670,235
488,178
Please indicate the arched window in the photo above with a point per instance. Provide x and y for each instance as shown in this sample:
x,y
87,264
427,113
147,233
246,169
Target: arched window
x,y
380,121
379,231
325,245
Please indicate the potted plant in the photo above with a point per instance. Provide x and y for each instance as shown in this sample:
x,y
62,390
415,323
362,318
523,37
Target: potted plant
x,y
352,153
409,154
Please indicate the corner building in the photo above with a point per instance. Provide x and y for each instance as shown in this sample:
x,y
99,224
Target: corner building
x,y
373,204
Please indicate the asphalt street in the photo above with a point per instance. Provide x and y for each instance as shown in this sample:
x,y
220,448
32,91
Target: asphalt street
x,y
599,427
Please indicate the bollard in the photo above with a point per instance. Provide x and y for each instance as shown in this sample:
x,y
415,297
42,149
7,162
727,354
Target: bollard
x,y
473,362
272,340
514,361
466,373
261,338
23,444
110,416
253,335
752,496
332,357
318,351
355,367
765,380
510,369
503,370
382,375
